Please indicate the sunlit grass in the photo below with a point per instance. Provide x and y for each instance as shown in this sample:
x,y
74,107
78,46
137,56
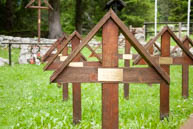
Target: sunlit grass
x,y
28,100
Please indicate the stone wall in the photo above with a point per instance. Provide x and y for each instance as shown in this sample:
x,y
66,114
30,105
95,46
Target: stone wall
x,y
26,50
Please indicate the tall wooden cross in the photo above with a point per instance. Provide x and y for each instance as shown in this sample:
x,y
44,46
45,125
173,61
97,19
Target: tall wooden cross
x,y
39,7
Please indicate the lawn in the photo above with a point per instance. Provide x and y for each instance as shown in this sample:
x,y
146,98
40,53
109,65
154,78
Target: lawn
x,y
28,101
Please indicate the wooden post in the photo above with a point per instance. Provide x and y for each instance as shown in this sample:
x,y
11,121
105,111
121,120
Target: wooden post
x,y
164,87
127,64
65,85
76,88
185,74
39,21
110,99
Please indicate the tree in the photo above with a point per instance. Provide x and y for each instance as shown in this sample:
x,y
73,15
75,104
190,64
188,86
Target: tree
x,y
55,28
10,6
164,9
78,16
137,11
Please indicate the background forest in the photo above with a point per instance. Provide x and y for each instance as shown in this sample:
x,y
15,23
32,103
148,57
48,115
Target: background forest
x,y
82,15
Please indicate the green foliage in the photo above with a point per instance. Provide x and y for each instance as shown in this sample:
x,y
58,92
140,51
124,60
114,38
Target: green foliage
x,y
137,11
178,11
29,101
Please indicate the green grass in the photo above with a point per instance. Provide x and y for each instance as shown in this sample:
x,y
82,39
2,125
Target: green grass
x,y
28,101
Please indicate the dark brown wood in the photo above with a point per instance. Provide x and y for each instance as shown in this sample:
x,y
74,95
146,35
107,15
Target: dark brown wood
x,y
140,49
76,87
182,61
90,75
176,61
150,43
109,74
65,85
157,46
164,87
53,47
127,64
129,37
80,47
56,64
180,44
49,52
176,39
65,91
60,50
94,53
185,73
110,107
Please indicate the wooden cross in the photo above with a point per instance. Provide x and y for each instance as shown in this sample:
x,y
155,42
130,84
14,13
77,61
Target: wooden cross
x,y
185,60
39,7
107,72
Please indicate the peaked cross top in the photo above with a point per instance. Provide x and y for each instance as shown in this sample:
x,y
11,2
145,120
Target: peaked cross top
x,y
108,72
190,41
128,35
55,45
184,60
174,37
29,5
39,7
53,63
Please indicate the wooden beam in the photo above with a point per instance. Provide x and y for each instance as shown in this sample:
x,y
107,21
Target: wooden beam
x,y
90,75
56,64
164,87
110,97
94,53
76,87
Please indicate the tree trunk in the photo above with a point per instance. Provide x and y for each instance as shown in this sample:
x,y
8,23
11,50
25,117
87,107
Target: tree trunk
x,y
55,28
78,17
9,14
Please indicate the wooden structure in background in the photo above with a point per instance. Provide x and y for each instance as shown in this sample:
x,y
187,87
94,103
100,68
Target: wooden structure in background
x,y
185,60
109,74
48,55
54,46
56,60
39,7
